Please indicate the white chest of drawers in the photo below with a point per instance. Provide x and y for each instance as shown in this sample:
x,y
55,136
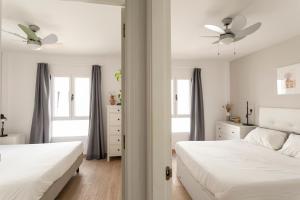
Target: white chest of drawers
x,y
13,138
231,131
114,147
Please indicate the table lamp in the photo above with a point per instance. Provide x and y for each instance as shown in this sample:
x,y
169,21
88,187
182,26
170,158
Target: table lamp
x,y
3,119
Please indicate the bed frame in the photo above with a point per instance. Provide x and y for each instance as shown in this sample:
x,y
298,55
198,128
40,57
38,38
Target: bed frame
x,y
282,119
193,187
60,183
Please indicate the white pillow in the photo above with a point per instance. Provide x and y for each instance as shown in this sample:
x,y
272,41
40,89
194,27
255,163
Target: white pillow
x,y
271,139
292,146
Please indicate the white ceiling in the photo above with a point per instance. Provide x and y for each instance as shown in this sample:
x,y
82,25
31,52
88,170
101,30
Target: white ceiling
x,y
95,29
82,28
280,21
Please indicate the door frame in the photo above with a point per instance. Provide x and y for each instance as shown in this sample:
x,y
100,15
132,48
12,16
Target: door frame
x,y
146,75
1,57
147,110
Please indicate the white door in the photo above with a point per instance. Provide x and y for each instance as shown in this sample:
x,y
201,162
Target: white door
x,y
159,95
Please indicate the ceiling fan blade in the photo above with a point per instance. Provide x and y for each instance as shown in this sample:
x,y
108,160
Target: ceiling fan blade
x,y
15,34
249,30
238,39
214,28
238,23
216,42
30,34
54,45
208,36
50,39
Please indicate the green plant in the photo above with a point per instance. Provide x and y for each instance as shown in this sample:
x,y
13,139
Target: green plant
x,y
120,98
118,75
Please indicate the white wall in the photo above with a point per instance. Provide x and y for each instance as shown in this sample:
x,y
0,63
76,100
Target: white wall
x,y
215,83
253,78
18,83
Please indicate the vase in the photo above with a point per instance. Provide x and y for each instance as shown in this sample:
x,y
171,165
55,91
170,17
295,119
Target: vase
x,y
112,100
228,116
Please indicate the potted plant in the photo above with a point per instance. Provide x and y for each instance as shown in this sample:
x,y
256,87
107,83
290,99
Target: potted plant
x,y
118,76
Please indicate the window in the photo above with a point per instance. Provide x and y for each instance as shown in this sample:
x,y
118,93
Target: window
x,y
61,88
180,102
70,106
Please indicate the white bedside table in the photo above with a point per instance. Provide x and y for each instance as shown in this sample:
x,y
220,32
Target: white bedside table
x,y
226,130
13,138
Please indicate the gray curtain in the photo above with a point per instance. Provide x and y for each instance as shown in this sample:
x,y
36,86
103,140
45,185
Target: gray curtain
x,y
197,109
96,149
40,121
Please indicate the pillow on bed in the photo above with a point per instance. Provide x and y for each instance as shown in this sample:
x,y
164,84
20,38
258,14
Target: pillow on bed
x,y
292,146
271,139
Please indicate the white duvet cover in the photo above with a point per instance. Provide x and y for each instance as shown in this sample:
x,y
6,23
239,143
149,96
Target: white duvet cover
x,y
27,171
237,170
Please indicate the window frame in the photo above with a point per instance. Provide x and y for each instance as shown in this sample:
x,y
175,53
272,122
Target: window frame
x,y
71,102
175,99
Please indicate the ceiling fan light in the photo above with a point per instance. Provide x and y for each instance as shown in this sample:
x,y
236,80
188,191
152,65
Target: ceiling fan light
x,y
34,47
227,40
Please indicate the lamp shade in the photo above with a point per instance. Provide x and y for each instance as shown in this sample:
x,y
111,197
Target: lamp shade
x,y
2,117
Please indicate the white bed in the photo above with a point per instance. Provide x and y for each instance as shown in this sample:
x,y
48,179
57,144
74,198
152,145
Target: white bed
x,y
237,170
29,172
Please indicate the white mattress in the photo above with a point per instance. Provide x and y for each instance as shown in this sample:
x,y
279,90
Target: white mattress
x,y
27,171
237,170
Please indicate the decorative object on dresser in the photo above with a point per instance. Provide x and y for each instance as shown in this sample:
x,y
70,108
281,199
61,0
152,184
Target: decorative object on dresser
x,y
231,131
3,119
236,119
13,138
114,134
248,113
112,100
227,108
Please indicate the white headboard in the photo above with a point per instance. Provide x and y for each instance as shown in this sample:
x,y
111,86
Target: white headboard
x,y
280,119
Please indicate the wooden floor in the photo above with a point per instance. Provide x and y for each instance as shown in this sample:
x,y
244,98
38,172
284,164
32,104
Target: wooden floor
x,y
101,180
97,180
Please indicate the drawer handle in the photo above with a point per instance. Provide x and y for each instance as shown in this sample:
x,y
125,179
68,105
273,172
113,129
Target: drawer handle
x,y
232,132
118,140
118,119
118,149
118,110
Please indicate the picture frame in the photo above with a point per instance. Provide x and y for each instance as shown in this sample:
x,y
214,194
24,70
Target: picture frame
x,y
288,79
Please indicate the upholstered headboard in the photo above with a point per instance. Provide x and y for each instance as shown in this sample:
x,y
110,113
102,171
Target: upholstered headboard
x,y
280,119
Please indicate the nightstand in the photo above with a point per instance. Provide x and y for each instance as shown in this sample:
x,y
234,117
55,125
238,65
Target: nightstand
x,y
226,130
13,138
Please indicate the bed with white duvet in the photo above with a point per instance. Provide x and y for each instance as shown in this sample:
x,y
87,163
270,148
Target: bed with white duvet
x,y
28,171
264,166
238,170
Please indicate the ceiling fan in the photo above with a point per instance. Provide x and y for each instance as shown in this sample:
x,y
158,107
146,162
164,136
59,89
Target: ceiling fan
x,y
233,30
32,40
